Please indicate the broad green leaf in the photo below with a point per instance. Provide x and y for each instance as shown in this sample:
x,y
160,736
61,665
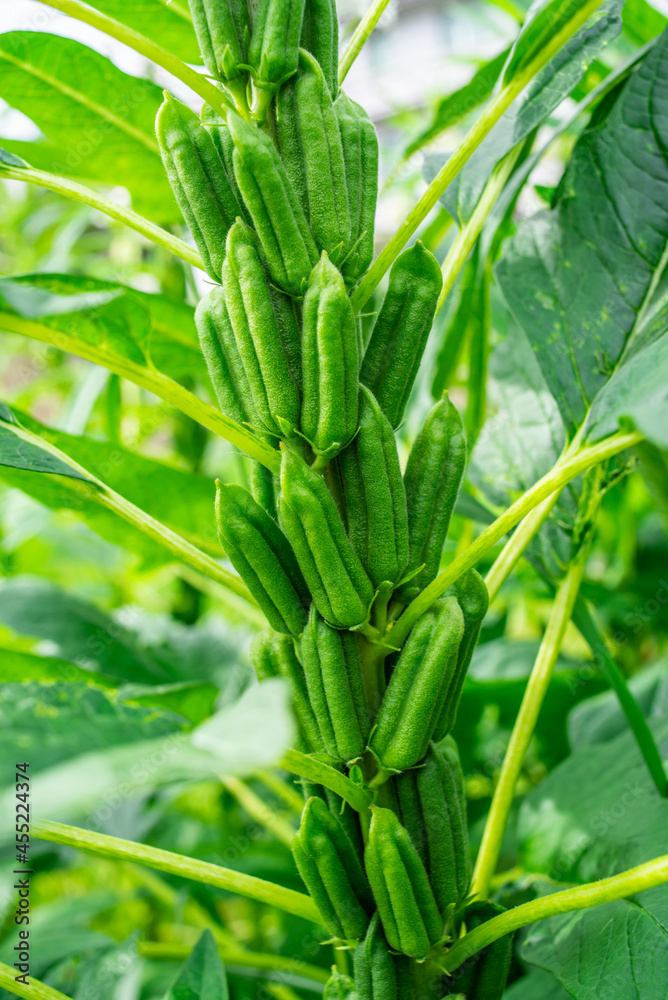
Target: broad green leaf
x,y
542,23
18,454
599,719
168,24
536,985
641,21
202,976
454,107
531,108
181,500
194,700
581,278
100,122
81,633
20,666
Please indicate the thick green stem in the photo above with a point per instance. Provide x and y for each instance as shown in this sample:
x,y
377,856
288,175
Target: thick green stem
x,y
515,546
244,959
362,32
525,724
583,620
322,774
258,809
162,57
92,488
621,886
149,378
77,192
464,151
567,468
178,864
33,990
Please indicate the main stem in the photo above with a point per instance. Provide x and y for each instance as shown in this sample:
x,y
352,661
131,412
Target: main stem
x,y
525,724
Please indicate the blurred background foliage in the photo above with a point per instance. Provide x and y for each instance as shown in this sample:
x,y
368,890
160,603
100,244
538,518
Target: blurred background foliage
x,y
161,646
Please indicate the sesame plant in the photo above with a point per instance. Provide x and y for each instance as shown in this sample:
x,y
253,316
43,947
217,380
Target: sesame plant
x,y
336,537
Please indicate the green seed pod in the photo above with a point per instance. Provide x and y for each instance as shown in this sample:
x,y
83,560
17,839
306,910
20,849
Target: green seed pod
x,y
435,816
334,681
273,206
219,348
406,904
311,149
320,37
418,686
262,556
266,332
263,488
224,145
223,32
471,593
360,154
339,986
432,477
400,333
198,180
484,976
375,501
274,49
379,975
342,592
347,817
273,655
329,362
332,872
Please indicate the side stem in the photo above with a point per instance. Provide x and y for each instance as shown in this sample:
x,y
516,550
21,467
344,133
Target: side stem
x,y
362,32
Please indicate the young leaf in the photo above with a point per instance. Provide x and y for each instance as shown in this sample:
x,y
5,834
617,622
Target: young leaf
x,y
99,121
202,976
168,24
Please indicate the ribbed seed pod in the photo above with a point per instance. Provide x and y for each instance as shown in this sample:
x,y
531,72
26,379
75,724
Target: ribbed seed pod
x,y
379,975
311,149
273,206
435,816
405,901
433,473
219,348
332,872
223,33
334,682
347,817
339,986
222,140
342,591
329,362
320,37
274,49
266,332
198,180
471,593
484,976
400,333
263,488
360,153
418,686
261,554
375,501
273,655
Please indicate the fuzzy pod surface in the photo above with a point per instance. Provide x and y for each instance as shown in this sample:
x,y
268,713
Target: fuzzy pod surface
x,y
342,591
273,655
380,975
406,905
273,206
320,37
374,495
415,695
360,154
312,151
221,354
266,332
273,52
484,976
400,333
329,362
336,691
261,554
198,180
223,30
332,872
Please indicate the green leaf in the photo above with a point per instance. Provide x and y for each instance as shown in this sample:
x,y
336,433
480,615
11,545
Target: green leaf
x,y
531,108
202,976
20,666
100,122
18,454
600,719
581,279
167,24
542,23
641,21
537,985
